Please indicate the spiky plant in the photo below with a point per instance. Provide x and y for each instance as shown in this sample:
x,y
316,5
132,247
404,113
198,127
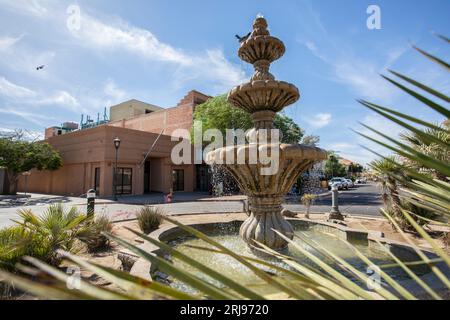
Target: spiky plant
x,y
386,170
308,200
149,218
60,227
92,233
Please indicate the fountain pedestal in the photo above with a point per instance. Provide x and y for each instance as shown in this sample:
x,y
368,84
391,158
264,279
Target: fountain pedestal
x,y
265,217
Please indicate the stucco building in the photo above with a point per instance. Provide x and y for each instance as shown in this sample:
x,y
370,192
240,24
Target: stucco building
x,y
89,154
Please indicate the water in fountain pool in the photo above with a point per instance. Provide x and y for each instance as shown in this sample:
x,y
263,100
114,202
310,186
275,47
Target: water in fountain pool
x,y
228,266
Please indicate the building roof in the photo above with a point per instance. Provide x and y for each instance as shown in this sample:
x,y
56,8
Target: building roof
x,y
149,105
345,162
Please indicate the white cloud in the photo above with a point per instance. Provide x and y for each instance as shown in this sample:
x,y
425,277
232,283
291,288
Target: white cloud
x,y
113,91
210,65
32,117
62,98
27,7
8,42
364,78
12,90
122,36
314,50
319,120
16,93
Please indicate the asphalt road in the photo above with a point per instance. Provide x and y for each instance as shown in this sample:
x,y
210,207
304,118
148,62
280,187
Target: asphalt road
x,y
361,200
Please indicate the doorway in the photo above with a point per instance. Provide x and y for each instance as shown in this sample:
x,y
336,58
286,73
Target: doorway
x,y
203,177
178,180
147,177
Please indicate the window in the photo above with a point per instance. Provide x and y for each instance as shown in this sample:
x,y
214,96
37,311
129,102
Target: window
x,y
148,111
124,181
97,180
178,180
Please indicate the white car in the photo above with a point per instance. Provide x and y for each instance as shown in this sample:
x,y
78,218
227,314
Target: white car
x,y
349,183
339,182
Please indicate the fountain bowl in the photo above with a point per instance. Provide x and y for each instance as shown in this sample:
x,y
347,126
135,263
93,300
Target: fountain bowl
x,y
261,95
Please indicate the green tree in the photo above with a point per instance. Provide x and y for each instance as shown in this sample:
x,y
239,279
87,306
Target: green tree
x,y
217,113
333,168
310,140
354,168
19,156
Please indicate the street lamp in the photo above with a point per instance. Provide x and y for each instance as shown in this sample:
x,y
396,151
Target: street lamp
x,y
116,145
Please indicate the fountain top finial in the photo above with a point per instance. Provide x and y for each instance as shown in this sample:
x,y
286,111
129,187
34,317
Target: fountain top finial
x,y
260,27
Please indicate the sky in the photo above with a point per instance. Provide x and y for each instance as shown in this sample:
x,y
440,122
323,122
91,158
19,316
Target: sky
x,y
157,51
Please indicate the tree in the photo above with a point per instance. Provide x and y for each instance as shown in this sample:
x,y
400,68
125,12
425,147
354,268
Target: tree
x,y
355,168
333,168
310,140
292,133
19,156
217,113
386,170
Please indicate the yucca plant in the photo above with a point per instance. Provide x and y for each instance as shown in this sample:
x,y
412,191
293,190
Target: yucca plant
x,y
149,218
92,232
60,227
385,170
17,242
308,200
302,281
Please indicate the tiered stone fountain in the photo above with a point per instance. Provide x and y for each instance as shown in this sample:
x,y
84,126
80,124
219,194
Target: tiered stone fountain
x,y
263,97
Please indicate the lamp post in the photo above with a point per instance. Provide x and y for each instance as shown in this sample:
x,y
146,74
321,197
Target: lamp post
x,y
116,145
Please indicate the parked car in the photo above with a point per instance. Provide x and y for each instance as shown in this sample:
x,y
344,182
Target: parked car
x,y
349,183
340,182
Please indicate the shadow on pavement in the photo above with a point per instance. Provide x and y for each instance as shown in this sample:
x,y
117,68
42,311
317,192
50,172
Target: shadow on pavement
x,y
24,202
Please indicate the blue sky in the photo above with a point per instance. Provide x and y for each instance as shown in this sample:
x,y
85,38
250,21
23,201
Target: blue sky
x,y
156,51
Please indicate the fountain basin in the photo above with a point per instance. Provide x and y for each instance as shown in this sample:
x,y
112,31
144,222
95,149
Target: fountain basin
x,y
262,47
226,233
261,95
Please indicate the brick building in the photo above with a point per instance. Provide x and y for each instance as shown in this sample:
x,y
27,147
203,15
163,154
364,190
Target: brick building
x,y
89,154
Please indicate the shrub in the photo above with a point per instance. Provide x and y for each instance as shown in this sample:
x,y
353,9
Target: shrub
x,y
17,242
92,233
57,227
308,200
149,218
41,236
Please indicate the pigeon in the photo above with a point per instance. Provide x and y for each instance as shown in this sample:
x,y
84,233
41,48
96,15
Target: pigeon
x,y
242,39
40,67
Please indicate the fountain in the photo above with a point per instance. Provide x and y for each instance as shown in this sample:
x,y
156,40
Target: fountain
x,y
263,97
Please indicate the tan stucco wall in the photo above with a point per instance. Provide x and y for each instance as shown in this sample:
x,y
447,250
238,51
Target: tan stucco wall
x,y
130,109
82,151
168,119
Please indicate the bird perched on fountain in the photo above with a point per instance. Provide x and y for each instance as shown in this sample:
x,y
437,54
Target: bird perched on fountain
x,y
40,67
242,39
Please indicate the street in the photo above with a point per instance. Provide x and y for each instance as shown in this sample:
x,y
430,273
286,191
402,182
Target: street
x,y
361,200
